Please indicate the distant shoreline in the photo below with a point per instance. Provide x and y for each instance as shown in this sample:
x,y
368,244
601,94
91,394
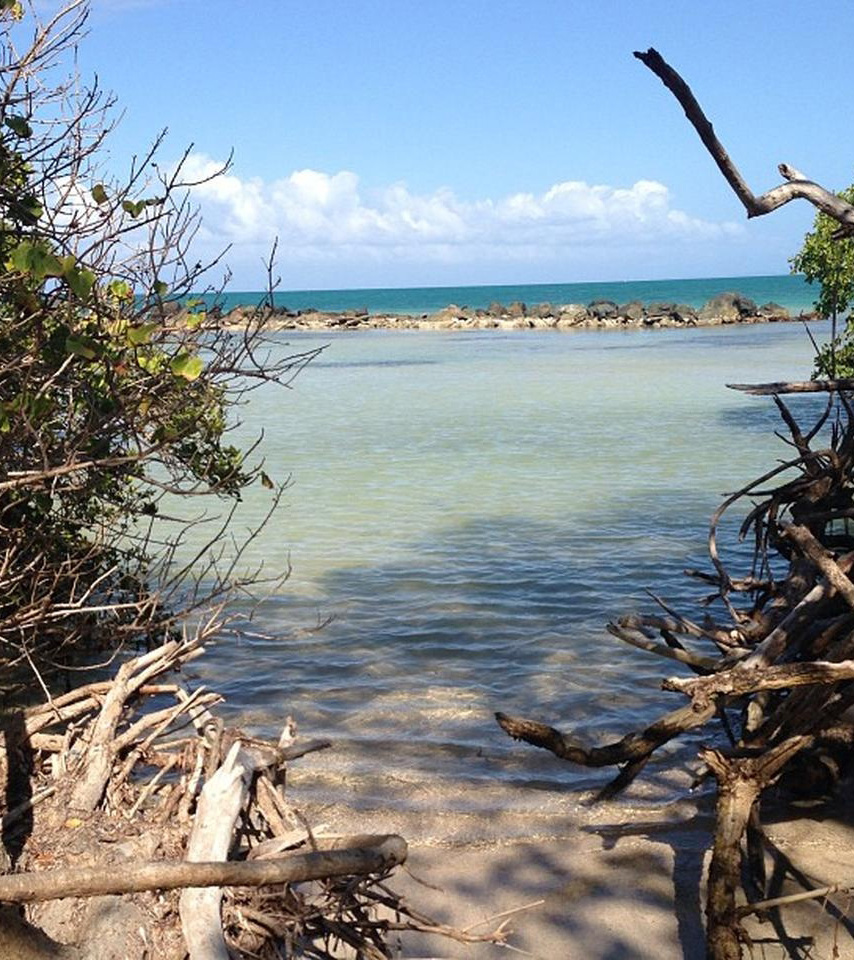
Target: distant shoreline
x,y
723,309
790,290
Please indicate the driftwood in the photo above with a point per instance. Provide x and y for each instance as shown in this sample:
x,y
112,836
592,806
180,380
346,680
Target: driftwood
x,y
793,386
779,677
376,855
122,769
798,186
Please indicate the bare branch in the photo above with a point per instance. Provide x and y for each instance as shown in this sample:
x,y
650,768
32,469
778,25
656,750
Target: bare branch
x,y
798,185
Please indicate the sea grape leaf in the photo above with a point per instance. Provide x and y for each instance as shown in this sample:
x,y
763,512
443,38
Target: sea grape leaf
x,y
99,194
137,336
80,282
120,290
80,346
133,209
20,127
35,260
187,365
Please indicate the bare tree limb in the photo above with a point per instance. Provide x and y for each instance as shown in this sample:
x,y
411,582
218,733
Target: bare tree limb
x,y
798,186
737,682
793,386
375,855
633,747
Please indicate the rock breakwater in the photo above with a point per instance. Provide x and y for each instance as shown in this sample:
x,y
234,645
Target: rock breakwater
x,y
726,308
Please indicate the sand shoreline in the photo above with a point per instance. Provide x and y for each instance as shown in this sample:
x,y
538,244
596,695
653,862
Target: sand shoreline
x,y
622,880
622,891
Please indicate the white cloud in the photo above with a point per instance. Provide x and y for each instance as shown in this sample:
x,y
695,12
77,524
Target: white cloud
x,y
320,217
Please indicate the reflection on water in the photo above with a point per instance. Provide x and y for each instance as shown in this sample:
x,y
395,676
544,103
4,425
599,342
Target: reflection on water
x,y
469,512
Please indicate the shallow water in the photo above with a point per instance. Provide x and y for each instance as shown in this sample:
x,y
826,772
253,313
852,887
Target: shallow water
x,y
470,510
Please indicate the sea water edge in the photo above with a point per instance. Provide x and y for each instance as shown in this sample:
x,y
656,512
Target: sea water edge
x,y
470,509
790,291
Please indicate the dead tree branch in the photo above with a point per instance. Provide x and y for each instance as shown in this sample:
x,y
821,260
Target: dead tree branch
x,y
798,186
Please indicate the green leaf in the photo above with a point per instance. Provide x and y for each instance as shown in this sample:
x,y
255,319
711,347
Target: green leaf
x,y
50,265
99,194
187,365
13,7
33,259
20,127
80,282
137,336
159,288
151,362
120,290
134,209
80,346
194,320
266,481
19,258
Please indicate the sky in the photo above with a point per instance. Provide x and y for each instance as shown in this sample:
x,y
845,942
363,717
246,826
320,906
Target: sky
x,y
445,142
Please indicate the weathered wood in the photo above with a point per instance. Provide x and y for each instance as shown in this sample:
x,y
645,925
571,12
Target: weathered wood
x,y
220,803
376,856
793,386
695,661
798,186
633,747
739,681
779,639
97,762
740,782
835,572
737,793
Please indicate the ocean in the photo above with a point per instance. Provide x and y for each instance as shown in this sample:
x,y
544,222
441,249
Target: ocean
x,y
789,291
466,511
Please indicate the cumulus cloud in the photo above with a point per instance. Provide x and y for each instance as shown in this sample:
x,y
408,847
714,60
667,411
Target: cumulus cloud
x,y
329,216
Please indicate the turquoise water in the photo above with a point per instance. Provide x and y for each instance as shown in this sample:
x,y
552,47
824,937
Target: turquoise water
x,y
790,291
467,510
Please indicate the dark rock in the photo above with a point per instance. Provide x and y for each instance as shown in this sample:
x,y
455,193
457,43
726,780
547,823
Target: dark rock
x,y
682,313
516,309
634,311
496,309
663,308
602,309
773,311
722,308
746,306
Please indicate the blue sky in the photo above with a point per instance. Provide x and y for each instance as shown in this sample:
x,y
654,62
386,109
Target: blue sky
x,y
431,142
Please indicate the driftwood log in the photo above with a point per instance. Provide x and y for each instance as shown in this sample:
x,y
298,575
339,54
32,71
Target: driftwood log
x,y
142,803
779,674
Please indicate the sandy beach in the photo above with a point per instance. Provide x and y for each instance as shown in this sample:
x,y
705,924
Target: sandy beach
x,y
614,883
619,892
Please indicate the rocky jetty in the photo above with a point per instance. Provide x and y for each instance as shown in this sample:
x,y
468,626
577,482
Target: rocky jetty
x,y
725,308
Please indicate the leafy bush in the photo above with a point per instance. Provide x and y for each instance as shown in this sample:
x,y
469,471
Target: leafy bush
x,y
115,389
827,259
